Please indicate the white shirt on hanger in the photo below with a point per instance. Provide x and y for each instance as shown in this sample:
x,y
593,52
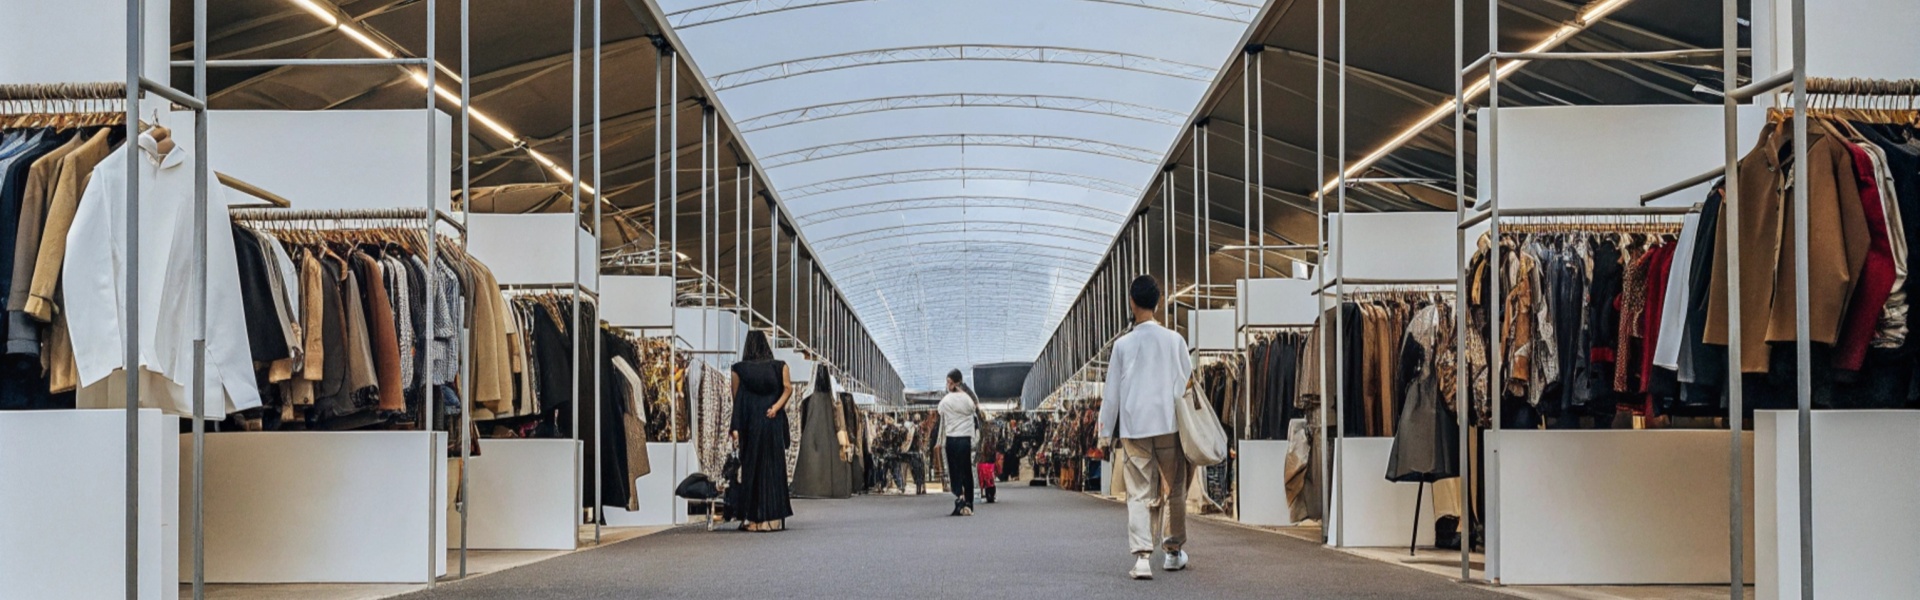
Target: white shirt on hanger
x,y
93,281
1146,375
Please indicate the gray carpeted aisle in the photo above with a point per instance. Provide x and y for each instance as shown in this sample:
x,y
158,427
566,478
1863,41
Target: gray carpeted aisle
x,y
1035,543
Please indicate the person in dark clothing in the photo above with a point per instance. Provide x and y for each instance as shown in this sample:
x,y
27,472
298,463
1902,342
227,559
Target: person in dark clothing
x,y
761,389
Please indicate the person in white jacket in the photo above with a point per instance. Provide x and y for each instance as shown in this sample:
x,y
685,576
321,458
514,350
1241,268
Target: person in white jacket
x,y
1146,375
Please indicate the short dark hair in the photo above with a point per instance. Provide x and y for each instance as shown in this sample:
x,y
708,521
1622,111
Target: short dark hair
x,y
1145,292
955,376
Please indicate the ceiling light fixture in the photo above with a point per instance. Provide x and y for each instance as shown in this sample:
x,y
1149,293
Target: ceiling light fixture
x,y
1594,13
447,93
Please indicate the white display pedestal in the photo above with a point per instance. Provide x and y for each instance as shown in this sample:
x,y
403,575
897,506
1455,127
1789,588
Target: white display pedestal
x,y
63,487
658,505
525,495
1263,483
321,506
1866,483
1620,507
1376,512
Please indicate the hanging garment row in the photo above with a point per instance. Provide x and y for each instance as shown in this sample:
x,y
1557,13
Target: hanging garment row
x,y
338,326
1583,308
1862,192
1272,370
1374,331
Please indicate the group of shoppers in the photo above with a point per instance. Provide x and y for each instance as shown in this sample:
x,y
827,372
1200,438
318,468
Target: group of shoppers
x,y
1148,372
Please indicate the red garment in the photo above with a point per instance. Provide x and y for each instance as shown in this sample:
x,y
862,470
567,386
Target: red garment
x,y
986,474
1876,278
1659,266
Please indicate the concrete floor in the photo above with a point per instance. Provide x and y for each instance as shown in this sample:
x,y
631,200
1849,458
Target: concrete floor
x,y
1035,543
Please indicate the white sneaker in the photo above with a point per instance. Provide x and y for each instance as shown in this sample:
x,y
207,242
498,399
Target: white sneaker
x,y
1142,569
1176,560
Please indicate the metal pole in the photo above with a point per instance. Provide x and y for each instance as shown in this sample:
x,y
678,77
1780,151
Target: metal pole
x,y
748,207
658,259
436,455
201,174
599,238
1802,320
466,332
574,366
1463,402
1491,181
1260,149
1736,401
673,170
130,353
1340,293
1320,209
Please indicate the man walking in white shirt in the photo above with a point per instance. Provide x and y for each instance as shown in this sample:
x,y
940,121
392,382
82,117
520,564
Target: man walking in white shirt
x,y
957,412
1146,375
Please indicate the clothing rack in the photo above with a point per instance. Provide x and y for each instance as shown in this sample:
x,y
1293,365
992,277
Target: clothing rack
x,y
266,215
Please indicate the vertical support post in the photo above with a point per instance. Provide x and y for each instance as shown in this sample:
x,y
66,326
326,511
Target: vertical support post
x,y
1730,205
130,353
1320,218
659,48
1340,292
436,455
201,176
599,239
1260,152
466,332
573,230
1463,396
1491,180
1802,319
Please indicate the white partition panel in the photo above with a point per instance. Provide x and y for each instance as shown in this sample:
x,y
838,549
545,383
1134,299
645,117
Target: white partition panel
x,y
1263,483
637,302
1276,302
346,159
1404,245
77,41
1211,329
1866,483
63,489
1377,512
798,367
1606,156
323,506
1619,507
1845,38
658,505
526,495
707,329
533,249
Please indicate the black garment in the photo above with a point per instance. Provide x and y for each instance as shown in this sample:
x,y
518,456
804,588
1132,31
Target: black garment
x,y
332,396
266,337
819,472
761,493
960,470
1705,394
610,455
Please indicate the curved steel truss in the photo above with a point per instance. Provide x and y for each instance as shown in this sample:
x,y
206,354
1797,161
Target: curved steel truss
x,y
922,175
1225,10
918,54
963,226
1079,262
1093,106
962,202
963,140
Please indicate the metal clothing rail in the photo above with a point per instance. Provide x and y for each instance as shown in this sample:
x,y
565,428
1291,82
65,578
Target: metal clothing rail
x,y
1626,211
254,214
1340,283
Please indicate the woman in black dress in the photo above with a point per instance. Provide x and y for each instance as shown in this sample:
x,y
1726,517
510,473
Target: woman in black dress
x,y
761,389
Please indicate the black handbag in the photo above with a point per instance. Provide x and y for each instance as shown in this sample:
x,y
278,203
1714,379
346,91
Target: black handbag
x,y
697,486
731,470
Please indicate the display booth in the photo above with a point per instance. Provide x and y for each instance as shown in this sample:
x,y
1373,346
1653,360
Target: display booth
x,y
66,471
1654,501
536,483
1369,252
645,305
249,537
1865,466
1268,305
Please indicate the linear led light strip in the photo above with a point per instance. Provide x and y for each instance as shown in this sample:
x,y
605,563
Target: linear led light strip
x,y
447,93
1593,14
